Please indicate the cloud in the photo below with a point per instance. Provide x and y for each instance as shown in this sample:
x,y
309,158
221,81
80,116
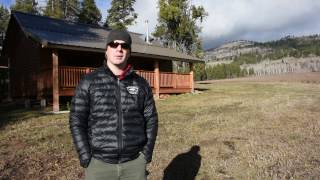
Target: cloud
x,y
257,20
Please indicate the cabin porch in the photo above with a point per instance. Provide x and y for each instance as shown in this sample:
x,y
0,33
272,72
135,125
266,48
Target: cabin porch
x,y
160,82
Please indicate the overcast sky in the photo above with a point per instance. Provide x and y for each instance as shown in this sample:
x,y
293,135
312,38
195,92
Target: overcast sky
x,y
228,20
257,20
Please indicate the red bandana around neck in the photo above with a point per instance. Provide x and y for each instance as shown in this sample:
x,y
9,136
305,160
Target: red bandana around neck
x,y
123,74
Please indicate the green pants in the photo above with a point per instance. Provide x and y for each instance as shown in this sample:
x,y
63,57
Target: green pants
x,y
131,170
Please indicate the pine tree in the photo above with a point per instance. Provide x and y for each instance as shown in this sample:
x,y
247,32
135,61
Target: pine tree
x,y
63,9
200,72
177,25
121,14
89,12
4,18
54,9
28,6
71,9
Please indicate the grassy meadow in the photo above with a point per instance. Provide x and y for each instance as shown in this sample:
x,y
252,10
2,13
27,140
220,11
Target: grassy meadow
x,y
243,130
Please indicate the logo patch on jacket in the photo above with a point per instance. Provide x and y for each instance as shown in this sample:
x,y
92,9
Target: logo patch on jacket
x,y
133,89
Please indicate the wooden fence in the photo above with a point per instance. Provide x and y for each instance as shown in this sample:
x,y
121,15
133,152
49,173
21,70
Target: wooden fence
x,y
69,77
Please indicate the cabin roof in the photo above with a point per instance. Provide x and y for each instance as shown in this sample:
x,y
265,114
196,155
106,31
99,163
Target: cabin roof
x,y
61,34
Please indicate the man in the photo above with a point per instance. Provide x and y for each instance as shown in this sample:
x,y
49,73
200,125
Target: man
x,y
113,118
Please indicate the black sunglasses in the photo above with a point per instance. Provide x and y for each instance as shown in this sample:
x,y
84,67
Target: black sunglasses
x,y
116,44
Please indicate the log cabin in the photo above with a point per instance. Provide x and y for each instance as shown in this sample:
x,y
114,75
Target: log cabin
x,y
46,58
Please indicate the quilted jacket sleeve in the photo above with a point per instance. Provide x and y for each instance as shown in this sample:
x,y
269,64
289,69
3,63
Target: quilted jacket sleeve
x,y
78,122
151,117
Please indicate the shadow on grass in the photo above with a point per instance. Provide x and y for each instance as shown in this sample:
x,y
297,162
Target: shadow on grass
x,y
184,166
204,82
201,89
12,113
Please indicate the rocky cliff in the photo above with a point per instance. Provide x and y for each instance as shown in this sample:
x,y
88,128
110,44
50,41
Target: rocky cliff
x,y
287,55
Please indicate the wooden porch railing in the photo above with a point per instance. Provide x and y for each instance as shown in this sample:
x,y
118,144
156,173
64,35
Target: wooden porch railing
x,y
148,75
69,77
174,80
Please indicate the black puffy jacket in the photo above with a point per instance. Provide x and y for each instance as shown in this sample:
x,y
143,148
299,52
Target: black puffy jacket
x,y
113,120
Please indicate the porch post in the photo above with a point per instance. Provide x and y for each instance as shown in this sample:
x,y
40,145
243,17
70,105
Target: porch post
x,y
9,81
55,81
191,77
157,79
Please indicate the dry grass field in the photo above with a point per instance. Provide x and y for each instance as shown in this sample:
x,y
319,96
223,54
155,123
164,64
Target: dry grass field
x,y
235,130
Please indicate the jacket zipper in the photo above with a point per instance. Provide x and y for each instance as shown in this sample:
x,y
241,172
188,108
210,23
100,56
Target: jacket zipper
x,y
120,143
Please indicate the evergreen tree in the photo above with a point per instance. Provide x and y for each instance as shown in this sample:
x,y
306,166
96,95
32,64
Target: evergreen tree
x,y
200,72
177,25
251,71
4,18
121,14
63,9
54,9
28,6
71,9
89,12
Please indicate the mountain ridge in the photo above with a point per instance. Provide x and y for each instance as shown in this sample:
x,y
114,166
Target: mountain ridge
x,y
238,47
287,55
